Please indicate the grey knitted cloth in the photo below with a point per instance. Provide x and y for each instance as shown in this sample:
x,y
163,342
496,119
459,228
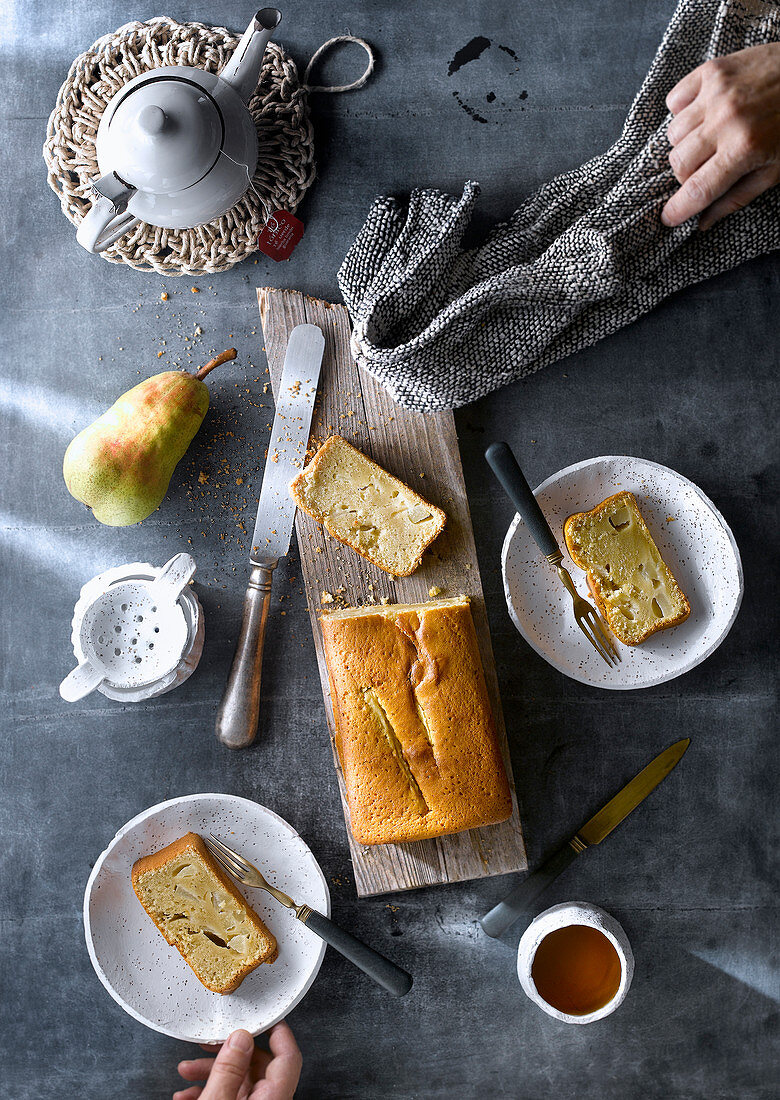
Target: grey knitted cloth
x,y
587,254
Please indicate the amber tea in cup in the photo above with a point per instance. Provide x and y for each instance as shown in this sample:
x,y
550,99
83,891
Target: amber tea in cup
x,y
576,969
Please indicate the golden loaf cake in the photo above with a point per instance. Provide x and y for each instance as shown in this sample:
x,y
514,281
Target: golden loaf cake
x,y
414,729
202,914
367,508
632,585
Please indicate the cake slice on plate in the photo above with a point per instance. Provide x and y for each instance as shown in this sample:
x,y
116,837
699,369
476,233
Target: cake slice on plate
x,y
202,914
631,583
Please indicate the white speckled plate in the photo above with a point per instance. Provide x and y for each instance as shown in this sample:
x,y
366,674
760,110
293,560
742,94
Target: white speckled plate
x,y
151,980
696,543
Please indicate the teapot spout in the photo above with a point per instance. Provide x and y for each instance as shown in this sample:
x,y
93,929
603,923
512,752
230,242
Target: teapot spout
x,y
243,69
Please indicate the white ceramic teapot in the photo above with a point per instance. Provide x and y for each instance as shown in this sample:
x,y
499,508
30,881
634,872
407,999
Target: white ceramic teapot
x,y
177,146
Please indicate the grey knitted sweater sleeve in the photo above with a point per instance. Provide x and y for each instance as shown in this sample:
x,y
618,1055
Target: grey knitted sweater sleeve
x,y
585,255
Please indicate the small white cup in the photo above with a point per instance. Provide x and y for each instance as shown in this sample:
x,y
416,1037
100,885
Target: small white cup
x,y
563,916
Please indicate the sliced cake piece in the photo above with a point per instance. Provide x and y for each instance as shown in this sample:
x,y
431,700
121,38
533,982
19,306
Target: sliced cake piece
x,y
414,729
631,584
201,913
367,508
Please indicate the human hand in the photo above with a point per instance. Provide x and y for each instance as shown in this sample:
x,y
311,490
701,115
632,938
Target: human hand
x,y
725,135
241,1071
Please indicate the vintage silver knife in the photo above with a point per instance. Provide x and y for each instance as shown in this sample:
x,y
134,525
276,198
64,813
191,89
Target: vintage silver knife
x,y
240,707
516,904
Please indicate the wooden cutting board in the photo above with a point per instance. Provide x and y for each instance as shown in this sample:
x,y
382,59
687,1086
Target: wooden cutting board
x,y
422,450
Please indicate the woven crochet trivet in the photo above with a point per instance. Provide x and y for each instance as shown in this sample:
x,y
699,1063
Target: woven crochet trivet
x,y
279,107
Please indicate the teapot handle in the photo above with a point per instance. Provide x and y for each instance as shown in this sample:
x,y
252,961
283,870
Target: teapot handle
x,y
108,219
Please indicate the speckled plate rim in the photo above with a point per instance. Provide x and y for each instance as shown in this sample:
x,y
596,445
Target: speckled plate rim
x,y
678,670
143,816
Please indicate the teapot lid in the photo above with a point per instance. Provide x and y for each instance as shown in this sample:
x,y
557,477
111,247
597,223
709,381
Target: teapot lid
x,y
164,135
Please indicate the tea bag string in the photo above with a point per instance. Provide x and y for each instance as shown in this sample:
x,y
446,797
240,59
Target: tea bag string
x,y
333,88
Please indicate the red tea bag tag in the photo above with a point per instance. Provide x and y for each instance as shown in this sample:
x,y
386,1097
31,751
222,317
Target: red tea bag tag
x,y
280,234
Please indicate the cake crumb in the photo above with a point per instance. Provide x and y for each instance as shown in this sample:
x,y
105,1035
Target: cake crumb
x,y
671,519
195,289
326,597
434,591
164,296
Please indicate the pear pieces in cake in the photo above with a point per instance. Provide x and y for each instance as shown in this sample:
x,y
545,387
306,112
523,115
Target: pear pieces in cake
x,y
201,913
632,585
367,508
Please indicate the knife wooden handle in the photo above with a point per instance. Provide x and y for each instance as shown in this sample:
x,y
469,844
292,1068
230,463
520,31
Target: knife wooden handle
x,y
517,903
240,707
381,969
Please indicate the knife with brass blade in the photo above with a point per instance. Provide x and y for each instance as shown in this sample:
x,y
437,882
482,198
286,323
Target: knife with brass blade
x,y
592,832
240,707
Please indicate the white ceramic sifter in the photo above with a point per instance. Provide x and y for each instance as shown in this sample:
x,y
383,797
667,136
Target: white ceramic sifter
x,y
134,635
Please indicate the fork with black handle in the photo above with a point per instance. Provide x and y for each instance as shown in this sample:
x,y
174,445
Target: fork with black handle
x,y
504,465
382,970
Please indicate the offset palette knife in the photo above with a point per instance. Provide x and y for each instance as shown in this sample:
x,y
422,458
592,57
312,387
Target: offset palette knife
x,y
240,707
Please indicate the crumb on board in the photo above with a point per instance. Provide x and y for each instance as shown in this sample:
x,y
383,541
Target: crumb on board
x,y
434,591
326,597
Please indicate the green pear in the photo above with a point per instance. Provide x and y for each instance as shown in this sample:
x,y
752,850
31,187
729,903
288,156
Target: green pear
x,y
121,465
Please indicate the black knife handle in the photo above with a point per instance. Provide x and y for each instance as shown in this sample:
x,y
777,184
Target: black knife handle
x,y
522,897
504,465
384,972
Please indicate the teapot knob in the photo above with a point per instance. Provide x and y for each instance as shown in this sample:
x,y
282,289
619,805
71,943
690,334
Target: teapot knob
x,y
152,119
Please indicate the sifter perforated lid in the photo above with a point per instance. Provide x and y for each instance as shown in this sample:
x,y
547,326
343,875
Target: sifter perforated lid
x,y
134,633
132,637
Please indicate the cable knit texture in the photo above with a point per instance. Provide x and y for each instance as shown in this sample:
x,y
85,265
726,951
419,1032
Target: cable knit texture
x,y
585,255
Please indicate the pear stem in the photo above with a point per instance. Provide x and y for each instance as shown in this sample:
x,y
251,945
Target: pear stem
x,y
217,361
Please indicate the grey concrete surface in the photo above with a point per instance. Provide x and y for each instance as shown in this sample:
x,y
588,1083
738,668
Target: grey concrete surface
x,y
694,386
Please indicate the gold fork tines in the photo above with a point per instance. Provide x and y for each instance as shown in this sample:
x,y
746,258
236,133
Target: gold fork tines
x,y
504,465
376,966
586,616
244,871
